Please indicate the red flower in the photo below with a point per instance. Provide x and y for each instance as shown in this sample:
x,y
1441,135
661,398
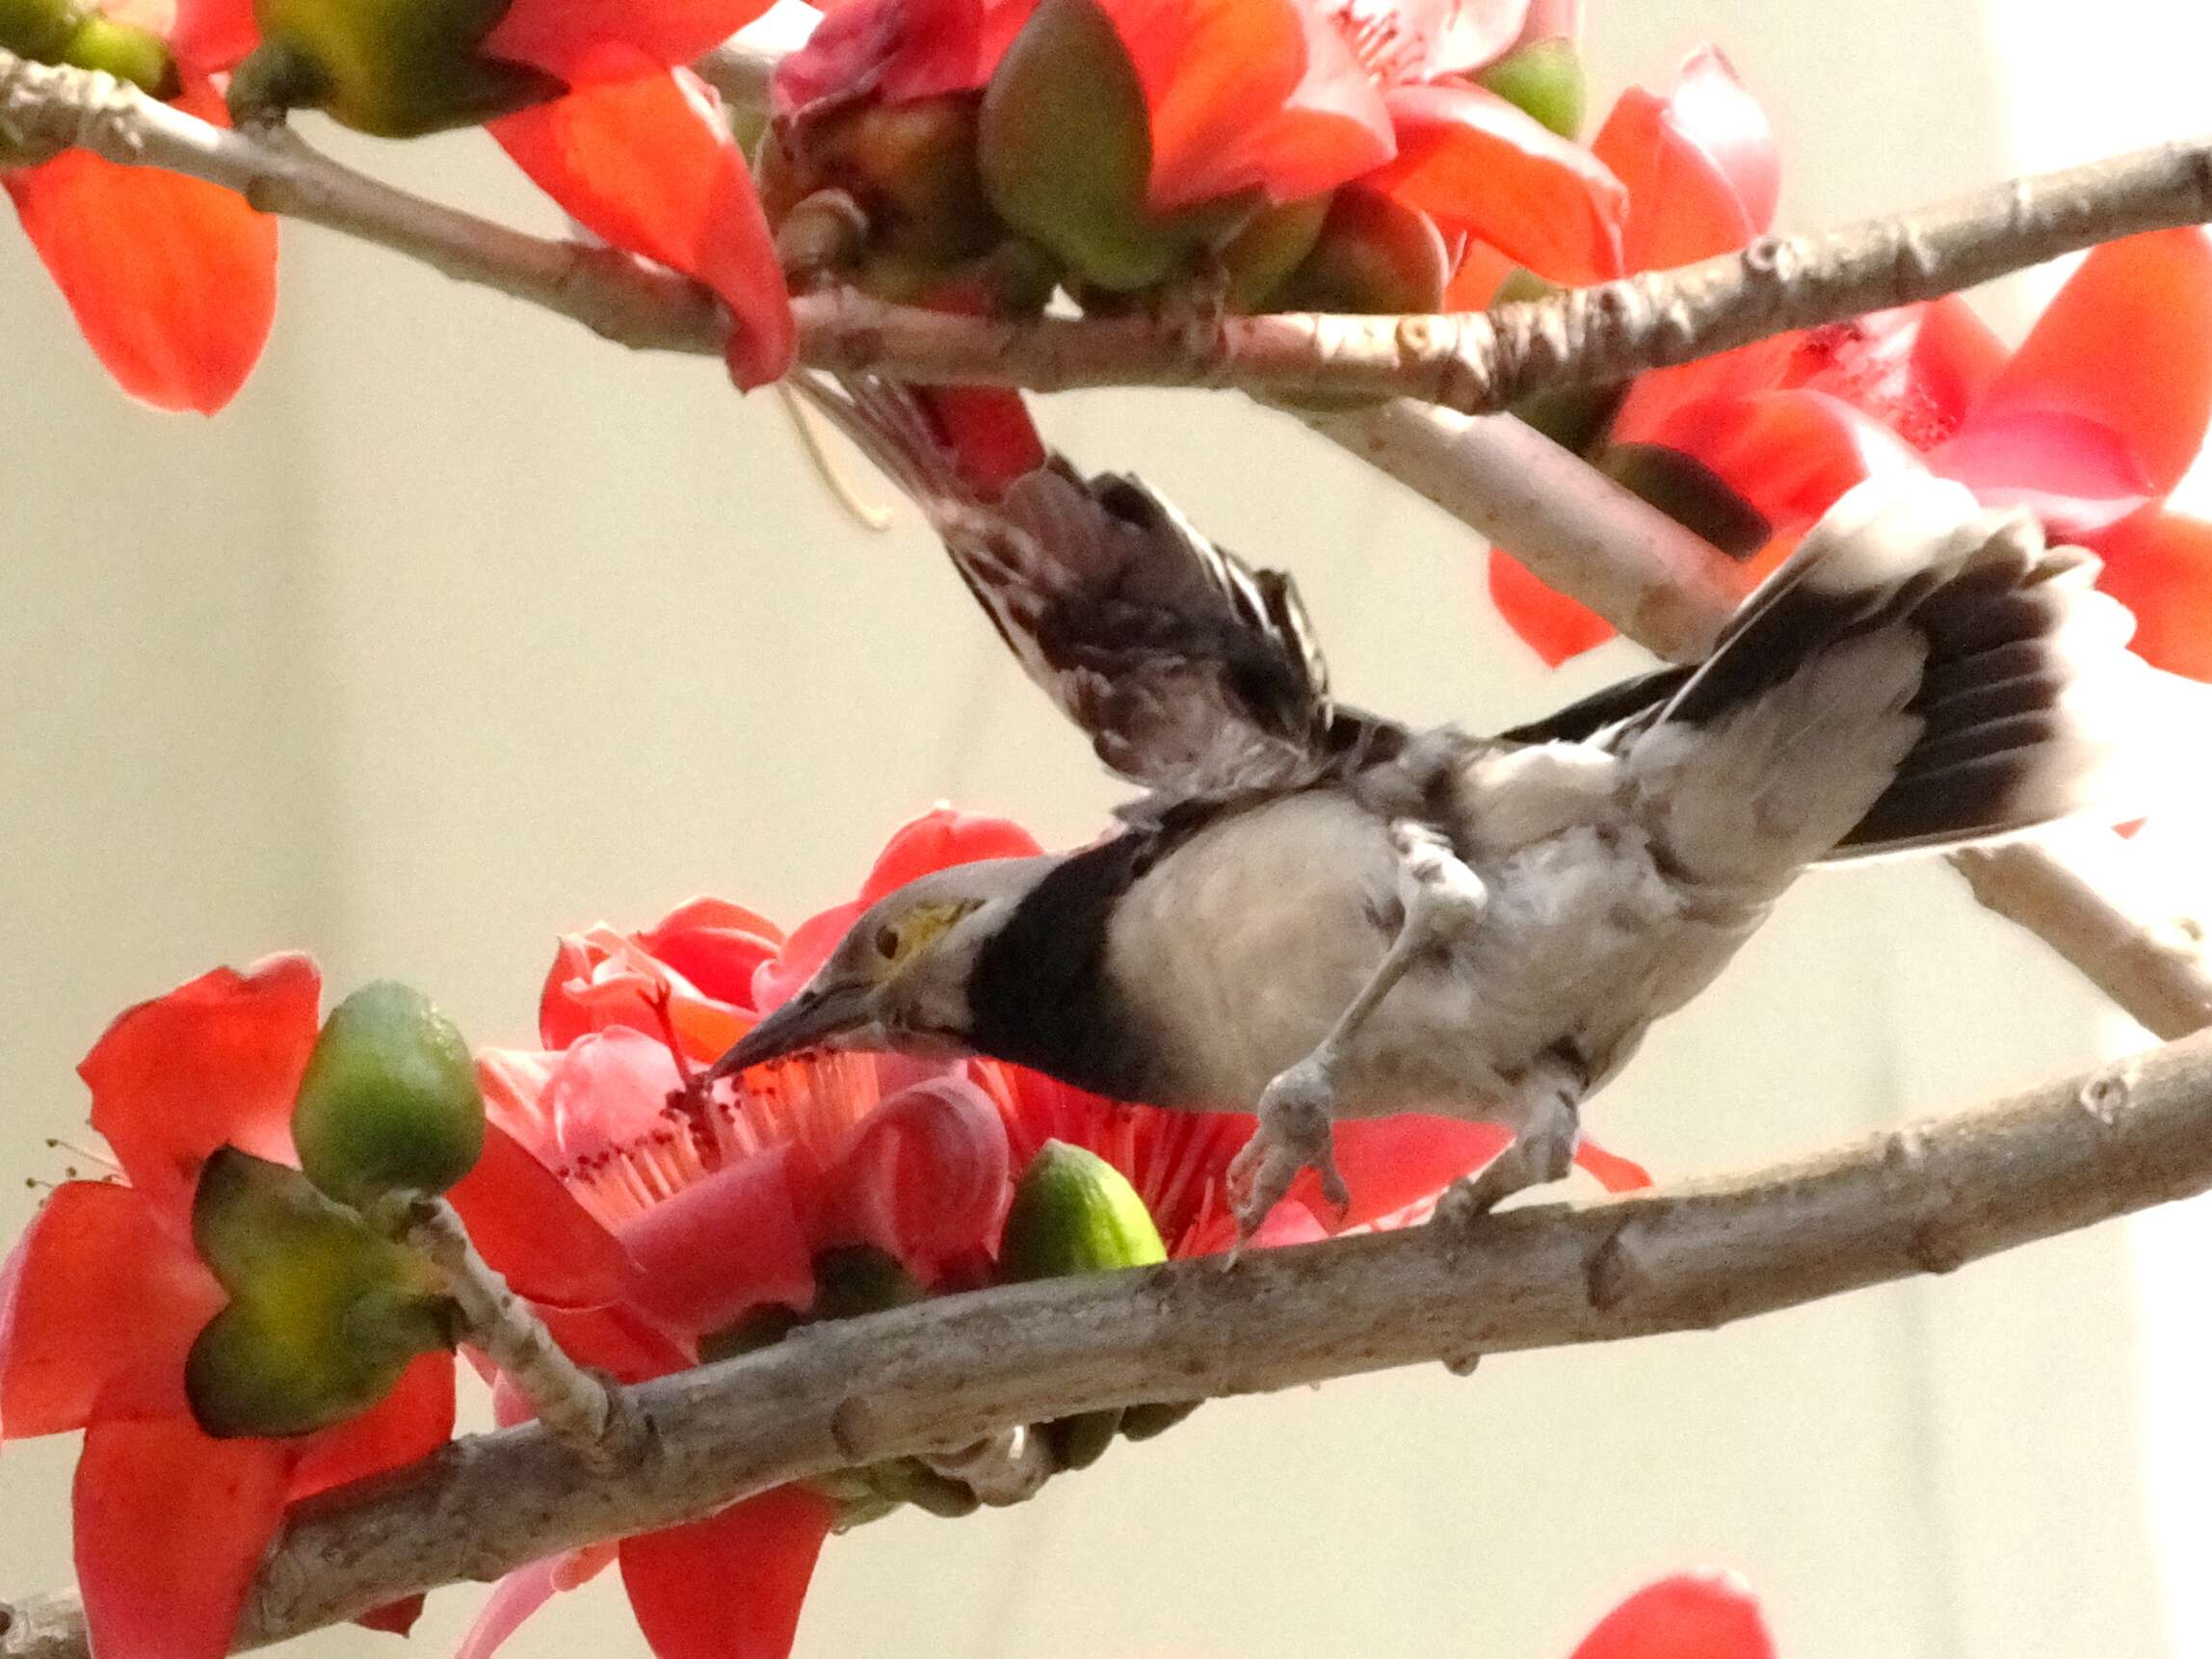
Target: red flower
x,y
173,282
1691,1616
1290,97
727,1210
103,1296
2091,422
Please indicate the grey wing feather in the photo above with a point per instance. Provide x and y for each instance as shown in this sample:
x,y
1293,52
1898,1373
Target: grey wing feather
x,y
1192,672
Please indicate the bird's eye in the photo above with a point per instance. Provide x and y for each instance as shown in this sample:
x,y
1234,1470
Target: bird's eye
x,y
887,942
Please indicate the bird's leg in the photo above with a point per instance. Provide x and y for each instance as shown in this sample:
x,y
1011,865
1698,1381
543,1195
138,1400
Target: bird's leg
x,y
1443,900
1550,1116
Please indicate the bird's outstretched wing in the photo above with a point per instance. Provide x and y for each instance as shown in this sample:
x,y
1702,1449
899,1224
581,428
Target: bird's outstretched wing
x,y
1193,674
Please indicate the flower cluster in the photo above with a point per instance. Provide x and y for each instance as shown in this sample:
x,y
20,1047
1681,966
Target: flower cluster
x,y
2091,422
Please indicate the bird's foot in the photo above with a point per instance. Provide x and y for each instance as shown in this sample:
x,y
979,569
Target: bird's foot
x,y
1542,1153
1294,1134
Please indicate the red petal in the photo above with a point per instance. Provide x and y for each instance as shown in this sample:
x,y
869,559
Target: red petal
x,y
172,280
1612,1172
1392,1164
1700,164
211,36
715,944
97,1291
1478,272
2159,566
939,839
394,1618
806,949
1553,626
1701,1615
925,1175
990,432
898,50
2077,475
725,1245
1955,356
730,1586
1249,92
1762,366
648,165
217,1061
517,1084
514,1599
1789,454
410,1422
169,1528
2126,345
621,1340
563,37
1476,164
529,1227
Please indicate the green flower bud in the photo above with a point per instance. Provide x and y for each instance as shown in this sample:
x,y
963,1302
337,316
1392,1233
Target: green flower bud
x,y
323,1313
397,69
1543,79
1690,492
389,1100
1261,255
126,52
1065,146
40,30
1372,255
1074,1212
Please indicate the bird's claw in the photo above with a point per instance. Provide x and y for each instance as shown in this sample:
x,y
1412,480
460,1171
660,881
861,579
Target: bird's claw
x,y
1294,1134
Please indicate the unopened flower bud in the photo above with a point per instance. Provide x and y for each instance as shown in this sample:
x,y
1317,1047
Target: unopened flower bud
x,y
389,1100
324,1315
1543,79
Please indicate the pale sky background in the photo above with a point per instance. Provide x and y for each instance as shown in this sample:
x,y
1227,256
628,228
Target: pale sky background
x,y
461,628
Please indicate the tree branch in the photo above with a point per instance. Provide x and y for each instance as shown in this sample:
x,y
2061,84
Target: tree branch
x,y
1471,361
947,1373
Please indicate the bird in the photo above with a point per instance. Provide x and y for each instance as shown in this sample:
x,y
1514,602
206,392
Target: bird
x,y
1314,914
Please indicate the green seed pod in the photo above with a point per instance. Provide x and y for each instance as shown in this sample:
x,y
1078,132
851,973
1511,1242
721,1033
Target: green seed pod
x,y
1064,146
1372,256
389,1100
1263,254
323,1313
396,68
1690,492
1543,79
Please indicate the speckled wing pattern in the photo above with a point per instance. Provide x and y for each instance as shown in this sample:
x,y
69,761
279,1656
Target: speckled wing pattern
x,y
1192,672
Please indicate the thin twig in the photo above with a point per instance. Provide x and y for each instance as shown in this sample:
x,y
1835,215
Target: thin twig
x,y
1472,362
575,1405
946,1373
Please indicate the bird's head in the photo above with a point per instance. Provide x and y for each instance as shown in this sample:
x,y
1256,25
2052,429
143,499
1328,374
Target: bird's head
x,y
898,980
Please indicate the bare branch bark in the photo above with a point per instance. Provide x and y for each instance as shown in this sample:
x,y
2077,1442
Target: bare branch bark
x,y
944,1374
1663,586
1472,361
574,1405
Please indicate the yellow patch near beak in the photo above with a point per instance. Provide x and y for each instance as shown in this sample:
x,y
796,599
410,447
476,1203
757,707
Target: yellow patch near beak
x,y
898,943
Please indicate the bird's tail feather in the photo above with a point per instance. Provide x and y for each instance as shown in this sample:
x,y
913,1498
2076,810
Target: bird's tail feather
x,y
1920,672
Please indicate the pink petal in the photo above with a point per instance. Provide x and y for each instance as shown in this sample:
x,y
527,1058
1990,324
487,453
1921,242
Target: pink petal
x,y
513,1601
169,1528
647,163
2075,474
217,1061
725,1245
1475,163
775,982
897,50
730,1586
1692,1616
1429,37
99,1302
2126,345
608,1091
517,1087
924,1177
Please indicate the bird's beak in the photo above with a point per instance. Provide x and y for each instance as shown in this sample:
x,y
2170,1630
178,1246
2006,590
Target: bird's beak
x,y
812,1020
